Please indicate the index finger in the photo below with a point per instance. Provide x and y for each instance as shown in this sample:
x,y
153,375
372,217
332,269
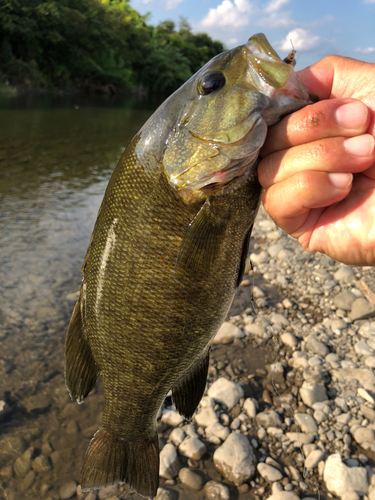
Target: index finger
x,y
329,118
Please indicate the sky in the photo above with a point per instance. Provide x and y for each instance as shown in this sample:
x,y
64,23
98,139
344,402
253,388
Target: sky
x,y
315,27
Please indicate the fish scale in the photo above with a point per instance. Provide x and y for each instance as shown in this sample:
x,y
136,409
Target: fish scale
x,y
165,259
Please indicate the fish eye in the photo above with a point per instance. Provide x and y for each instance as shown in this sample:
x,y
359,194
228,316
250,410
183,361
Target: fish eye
x,y
211,82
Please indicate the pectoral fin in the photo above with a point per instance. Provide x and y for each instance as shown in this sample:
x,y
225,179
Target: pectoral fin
x,y
245,251
202,241
189,391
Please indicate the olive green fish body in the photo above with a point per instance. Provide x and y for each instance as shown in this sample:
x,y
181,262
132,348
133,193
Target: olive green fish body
x,y
167,254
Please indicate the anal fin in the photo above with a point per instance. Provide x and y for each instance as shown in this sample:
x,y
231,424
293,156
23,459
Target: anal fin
x,y
81,371
111,459
189,391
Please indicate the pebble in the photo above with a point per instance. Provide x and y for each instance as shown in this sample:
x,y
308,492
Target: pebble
x,y
312,393
206,417
235,459
283,495
216,491
41,464
172,418
193,448
344,275
362,348
217,430
23,463
277,318
227,333
191,479
289,340
344,300
177,436
225,391
108,492
313,459
365,395
268,418
306,423
300,438
269,473
260,258
363,435
169,462
68,490
362,309
315,346
250,407
164,494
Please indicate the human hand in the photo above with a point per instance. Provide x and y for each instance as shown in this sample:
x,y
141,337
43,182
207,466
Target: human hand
x,y
318,166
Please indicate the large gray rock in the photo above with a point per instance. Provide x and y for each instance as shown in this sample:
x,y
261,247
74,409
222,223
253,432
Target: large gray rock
x,y
235,459
227,333
339,479
169,462
225,391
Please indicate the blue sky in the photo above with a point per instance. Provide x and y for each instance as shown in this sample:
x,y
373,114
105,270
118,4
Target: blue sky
x,y
316,27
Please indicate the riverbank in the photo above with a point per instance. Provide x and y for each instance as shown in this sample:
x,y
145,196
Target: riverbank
x,y
289,409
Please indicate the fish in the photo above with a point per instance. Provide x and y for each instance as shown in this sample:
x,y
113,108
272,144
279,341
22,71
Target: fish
x,y
168,252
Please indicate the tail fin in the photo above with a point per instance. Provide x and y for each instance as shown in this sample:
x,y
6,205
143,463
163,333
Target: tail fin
x,y
81,371
111,459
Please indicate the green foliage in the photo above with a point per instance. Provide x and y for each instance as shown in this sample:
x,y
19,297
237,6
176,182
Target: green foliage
x,y
64,43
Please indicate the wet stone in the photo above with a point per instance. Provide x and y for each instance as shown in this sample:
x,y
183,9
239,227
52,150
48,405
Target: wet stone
x,y
191,479
27,481
38,402
108,492
68,490
23,463
165,494
41,464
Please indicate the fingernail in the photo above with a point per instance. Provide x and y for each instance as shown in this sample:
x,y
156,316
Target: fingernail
x,y
352,115
340,181
362,145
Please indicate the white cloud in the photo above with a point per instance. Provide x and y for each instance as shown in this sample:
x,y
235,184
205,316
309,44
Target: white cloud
x,y
275,5
369,1
369,50
169,4
228,14
276,20
302,40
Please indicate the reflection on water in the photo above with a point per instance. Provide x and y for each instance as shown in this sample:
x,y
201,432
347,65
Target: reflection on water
x,y
56,156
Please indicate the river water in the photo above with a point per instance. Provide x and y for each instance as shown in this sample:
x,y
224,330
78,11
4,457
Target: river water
x,y
56,156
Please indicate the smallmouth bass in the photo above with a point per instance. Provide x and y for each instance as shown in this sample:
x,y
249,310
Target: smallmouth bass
x,y
168,252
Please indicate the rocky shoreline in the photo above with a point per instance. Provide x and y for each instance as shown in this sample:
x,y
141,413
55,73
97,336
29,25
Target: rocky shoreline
x,y
289,408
